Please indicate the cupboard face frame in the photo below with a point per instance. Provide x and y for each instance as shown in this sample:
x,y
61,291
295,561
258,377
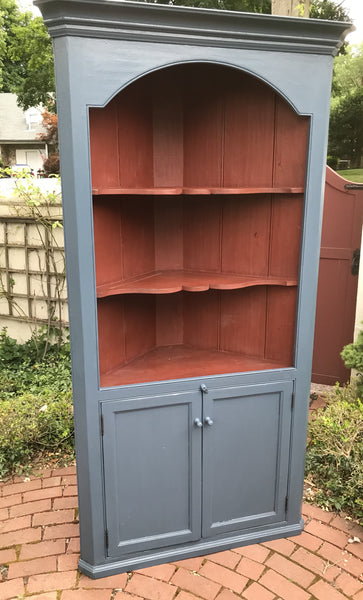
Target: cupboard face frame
x,y
100,48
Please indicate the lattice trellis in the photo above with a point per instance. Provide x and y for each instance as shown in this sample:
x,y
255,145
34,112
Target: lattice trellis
x,y
32,271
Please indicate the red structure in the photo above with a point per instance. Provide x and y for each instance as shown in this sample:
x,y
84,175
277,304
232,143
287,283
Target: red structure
x,y
337,288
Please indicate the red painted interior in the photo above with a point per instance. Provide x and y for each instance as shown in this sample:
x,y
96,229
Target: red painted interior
x,y
151,331
198,175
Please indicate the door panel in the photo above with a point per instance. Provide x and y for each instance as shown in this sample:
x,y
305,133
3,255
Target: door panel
x,y
337,286
245,456
152,466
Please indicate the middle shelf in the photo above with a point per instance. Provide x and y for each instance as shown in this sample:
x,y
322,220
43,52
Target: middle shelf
x,y
195,191
171,281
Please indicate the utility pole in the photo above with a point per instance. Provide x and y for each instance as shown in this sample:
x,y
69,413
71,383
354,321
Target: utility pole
x,y
291,8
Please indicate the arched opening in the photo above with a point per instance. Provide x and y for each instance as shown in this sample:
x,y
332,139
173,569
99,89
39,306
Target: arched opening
x,y
197,125
198,175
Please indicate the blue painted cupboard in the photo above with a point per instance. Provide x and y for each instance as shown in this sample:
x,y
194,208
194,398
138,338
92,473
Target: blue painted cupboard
x,y
192,149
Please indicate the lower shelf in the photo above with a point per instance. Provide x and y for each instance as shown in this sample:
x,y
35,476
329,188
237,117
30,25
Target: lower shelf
x,y
177,362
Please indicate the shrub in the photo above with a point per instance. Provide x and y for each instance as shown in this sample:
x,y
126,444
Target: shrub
x,y
30,425
51,165
334,458
37,366
36,413
332,162
352,356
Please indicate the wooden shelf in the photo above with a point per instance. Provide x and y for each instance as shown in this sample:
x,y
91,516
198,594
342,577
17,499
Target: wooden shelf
x,y
169,282
174,362
194,191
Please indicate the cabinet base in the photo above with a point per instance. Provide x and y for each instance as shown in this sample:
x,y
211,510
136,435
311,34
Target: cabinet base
x,y
191,550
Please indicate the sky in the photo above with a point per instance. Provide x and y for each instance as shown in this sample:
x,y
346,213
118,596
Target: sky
x,y
354,7
355,10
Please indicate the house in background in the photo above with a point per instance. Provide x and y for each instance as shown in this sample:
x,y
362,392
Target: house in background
x,y
19,133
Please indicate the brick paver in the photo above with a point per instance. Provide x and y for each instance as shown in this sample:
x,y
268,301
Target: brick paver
x,y
201,587
324,591
39,553
316,564
232,581
114,581
290,570
282,586
163,572
257,592
348,585
152,589
226,559
250,568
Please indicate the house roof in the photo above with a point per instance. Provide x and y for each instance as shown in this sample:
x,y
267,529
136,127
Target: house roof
x,y
15,122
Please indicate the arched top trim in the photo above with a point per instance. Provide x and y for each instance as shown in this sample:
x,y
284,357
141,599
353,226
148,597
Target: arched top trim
x,y
225,64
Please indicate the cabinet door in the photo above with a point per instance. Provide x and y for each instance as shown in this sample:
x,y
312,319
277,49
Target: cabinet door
x,y
245,456
152,471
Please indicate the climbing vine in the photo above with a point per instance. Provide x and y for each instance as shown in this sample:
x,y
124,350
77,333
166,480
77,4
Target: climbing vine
x,y
39,208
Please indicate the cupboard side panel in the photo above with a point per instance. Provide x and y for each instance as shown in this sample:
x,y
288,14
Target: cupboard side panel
x,y
104,146
291,143
111,333
202,319
286,227
140,334
202,233
249,134
245,237
243,321
137,230
135,137
107,239
280,326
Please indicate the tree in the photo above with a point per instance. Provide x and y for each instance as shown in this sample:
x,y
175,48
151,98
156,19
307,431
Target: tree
x,y
328,9
346,127
50,124
11,72
346,123
319,9
348,70
26,57
257,6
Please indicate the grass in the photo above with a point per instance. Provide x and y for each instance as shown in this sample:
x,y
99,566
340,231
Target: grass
x,y
355,175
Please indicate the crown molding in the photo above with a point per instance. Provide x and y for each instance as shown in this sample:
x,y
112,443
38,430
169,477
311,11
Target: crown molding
x,y
139,21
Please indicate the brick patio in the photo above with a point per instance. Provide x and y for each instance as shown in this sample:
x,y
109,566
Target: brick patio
x,y
39,552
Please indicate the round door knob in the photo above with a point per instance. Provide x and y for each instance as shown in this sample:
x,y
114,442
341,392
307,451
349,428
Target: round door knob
x,y
198,422
208,421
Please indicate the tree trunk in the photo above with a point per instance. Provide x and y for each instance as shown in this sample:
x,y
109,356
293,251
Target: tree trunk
x,y
291,8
